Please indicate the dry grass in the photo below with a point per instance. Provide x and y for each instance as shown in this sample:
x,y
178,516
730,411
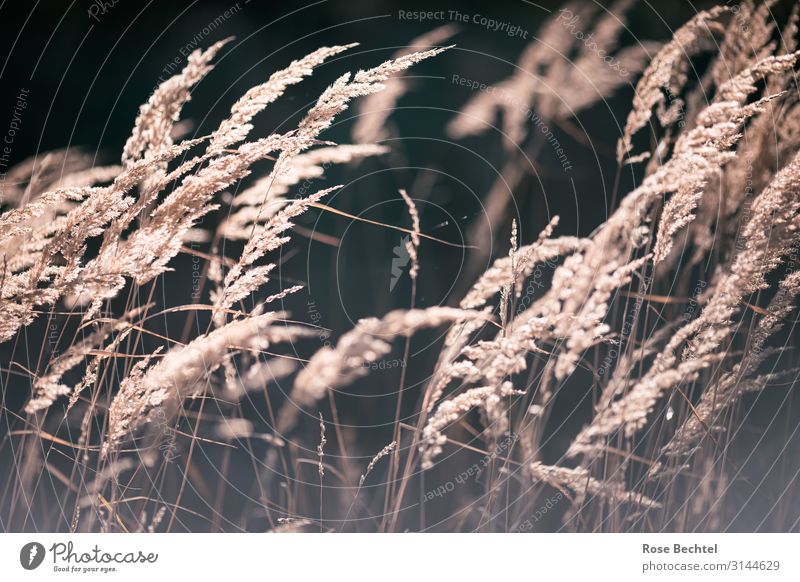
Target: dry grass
x,y
111,419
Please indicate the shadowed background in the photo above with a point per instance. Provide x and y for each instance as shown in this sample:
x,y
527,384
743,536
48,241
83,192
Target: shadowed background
x,y
86,67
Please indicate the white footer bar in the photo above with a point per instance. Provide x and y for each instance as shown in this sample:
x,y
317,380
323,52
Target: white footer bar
x,y
389,557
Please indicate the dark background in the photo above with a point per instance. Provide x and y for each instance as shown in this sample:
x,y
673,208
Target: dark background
x,y
87,77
